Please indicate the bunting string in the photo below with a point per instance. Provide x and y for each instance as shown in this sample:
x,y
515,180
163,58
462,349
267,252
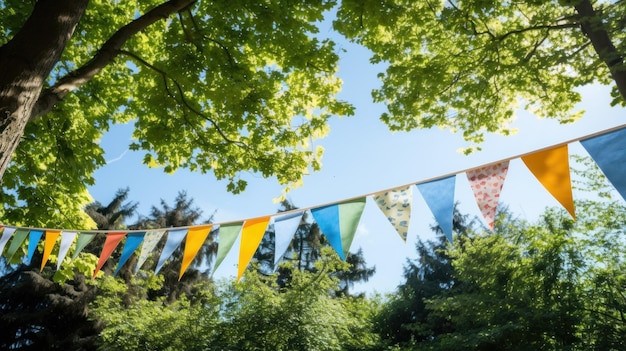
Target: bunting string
x,y
338,221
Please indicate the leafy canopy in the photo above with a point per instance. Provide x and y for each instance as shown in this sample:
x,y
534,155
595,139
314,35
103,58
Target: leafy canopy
x,y
231,87
223,87
470,65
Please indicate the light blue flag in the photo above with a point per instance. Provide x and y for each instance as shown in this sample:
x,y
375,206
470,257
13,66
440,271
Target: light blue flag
x,y
7,233
174,238
609,152
33,240
285,227
439,196
67,238
133,240
327,218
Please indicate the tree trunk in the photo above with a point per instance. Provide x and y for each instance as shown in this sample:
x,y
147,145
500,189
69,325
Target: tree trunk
x,y
594,28
26,62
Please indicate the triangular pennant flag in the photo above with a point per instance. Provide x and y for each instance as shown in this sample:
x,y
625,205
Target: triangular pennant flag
x,y
251,236
439,196
7,233
133,240
285,227
193,243
609,152
150,241
67,238
396,205
51,239
83,240
551,168
33,241
227,236
174,238
18,238
486,183
338,222
110,243
349,217
327,218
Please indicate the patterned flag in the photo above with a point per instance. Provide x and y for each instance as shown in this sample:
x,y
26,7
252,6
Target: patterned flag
x,y
487,182
396,205
150,241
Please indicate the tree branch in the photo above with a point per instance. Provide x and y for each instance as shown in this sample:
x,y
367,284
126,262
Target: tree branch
x,y
183,101
107,53
539,27
594,28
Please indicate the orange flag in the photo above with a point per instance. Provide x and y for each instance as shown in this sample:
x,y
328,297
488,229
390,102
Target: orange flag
x,y
51,239
109,245
551,168
193,243
251,235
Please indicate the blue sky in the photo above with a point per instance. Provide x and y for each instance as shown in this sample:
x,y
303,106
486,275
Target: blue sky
x,y
362,156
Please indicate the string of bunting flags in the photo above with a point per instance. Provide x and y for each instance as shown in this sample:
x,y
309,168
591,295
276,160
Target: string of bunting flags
x,y
338,221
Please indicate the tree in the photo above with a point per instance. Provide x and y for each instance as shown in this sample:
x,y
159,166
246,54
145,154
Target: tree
x,y
553,284
468,65
253,314
520,291
50,310
229,87
115,214
39,314
189,323
212,86
302,316
404,318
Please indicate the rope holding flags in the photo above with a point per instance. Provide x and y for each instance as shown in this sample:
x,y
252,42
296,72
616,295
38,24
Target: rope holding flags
x,y
338,221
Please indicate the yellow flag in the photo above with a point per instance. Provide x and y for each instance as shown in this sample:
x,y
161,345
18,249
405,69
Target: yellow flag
x,y
193,243
551,168
251,235
51,239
